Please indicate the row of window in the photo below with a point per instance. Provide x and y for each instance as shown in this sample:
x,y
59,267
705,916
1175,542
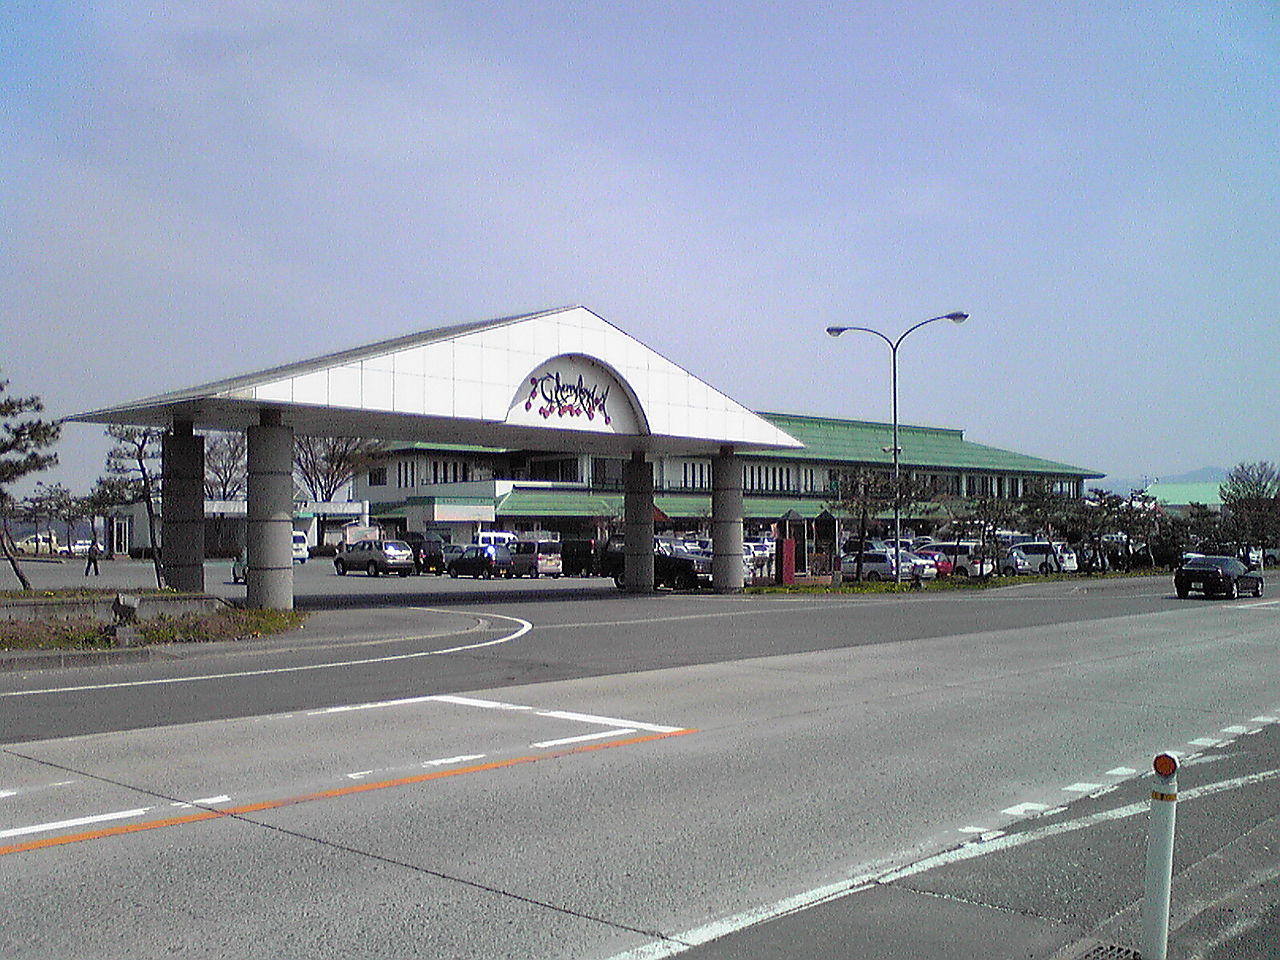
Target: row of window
x,y
607,474
410,473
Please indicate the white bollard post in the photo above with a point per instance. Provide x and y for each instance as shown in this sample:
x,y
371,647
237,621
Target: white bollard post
x,y
1155,903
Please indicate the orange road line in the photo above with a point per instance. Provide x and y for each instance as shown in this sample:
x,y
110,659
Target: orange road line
x,y
321,795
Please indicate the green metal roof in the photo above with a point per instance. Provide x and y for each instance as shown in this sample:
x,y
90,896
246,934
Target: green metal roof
x,y
1178,494
863,441
579,503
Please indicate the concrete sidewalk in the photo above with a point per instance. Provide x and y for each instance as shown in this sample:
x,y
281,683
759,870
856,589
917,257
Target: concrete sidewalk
x,y
1068,886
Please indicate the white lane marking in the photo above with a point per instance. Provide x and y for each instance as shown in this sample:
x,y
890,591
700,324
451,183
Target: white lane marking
x,y
441,762
1236,728
681,942
613,732
1022,809
1254,606
973,829
1121,772
1069,826
376,705
483,704
77,822
8,793
1083,787
202,802
1206,742
446,761
525,627
606,721
1264,719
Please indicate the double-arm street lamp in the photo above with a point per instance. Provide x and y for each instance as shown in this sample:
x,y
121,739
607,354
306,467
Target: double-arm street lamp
x,y
956,317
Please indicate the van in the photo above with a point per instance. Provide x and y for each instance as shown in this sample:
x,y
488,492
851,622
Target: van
x,y
300,552
490,538
536,558
578,557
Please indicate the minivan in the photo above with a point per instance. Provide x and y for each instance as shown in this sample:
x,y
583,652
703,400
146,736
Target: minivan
x,y
1049,557
536,558
300,553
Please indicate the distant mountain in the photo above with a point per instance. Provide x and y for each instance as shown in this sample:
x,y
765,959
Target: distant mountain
x,y
1125,484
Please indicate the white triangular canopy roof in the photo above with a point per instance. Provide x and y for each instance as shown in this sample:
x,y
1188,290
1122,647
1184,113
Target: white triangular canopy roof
x,y
562,379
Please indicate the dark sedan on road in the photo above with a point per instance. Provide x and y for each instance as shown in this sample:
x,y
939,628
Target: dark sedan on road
x,y
1216,576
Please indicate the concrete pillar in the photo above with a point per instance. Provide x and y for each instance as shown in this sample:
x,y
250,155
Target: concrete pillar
x,y
637,485
726,522
182,508
270,537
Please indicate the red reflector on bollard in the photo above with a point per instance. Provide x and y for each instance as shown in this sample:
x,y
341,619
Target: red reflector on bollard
x,y
1166,764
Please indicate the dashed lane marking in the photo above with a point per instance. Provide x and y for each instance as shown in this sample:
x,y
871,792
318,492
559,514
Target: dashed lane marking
x,y
682,942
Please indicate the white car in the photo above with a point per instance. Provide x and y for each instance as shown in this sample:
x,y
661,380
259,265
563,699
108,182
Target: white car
x,y
878,565
300,552
1049,557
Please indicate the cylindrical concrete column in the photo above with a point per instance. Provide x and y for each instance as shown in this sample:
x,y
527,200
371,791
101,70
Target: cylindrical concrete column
x,y
726,522
182,508
637,484
270,537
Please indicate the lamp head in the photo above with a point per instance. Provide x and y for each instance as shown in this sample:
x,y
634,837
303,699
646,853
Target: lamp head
x,y
956,317
835,331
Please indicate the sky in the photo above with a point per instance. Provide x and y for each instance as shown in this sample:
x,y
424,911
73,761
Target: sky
x,y
190,191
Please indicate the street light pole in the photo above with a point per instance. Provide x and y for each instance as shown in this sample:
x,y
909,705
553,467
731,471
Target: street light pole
x,y
956,317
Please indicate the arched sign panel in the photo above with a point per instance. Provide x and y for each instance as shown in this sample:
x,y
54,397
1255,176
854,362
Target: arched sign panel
x,y
575,392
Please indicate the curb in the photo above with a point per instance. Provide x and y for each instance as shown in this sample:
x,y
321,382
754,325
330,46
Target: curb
x,y
59,659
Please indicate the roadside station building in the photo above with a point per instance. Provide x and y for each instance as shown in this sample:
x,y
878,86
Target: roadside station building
x,y
555,420
455,491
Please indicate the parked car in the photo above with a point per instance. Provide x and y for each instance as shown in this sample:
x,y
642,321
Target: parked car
x,y
483,561
879,565
1015,563
451,552
1221,576
428,552
375,557
300,552
578,558
944,566
966,558
536,558
676,568
1049,557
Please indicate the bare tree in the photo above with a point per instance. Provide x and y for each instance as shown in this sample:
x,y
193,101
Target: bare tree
x,y
325,465
1251,502
861,494
225,473
133,459
23,441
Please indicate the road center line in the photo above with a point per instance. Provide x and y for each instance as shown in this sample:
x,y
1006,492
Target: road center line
x,y
242,812
525,627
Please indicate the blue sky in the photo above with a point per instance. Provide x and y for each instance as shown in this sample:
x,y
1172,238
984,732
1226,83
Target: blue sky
x,y
196,190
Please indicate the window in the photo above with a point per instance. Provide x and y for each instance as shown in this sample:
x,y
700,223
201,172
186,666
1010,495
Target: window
x,y
378,476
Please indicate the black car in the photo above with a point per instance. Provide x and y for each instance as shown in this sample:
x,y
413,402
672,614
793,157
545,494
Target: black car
x,y
578,557
1220,576
483,560
428,552
672,567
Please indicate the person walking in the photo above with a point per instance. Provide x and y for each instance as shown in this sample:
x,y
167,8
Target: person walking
x,y
91,559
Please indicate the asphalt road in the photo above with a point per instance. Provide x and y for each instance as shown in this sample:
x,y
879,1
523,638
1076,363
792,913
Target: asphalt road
x,y
623,776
